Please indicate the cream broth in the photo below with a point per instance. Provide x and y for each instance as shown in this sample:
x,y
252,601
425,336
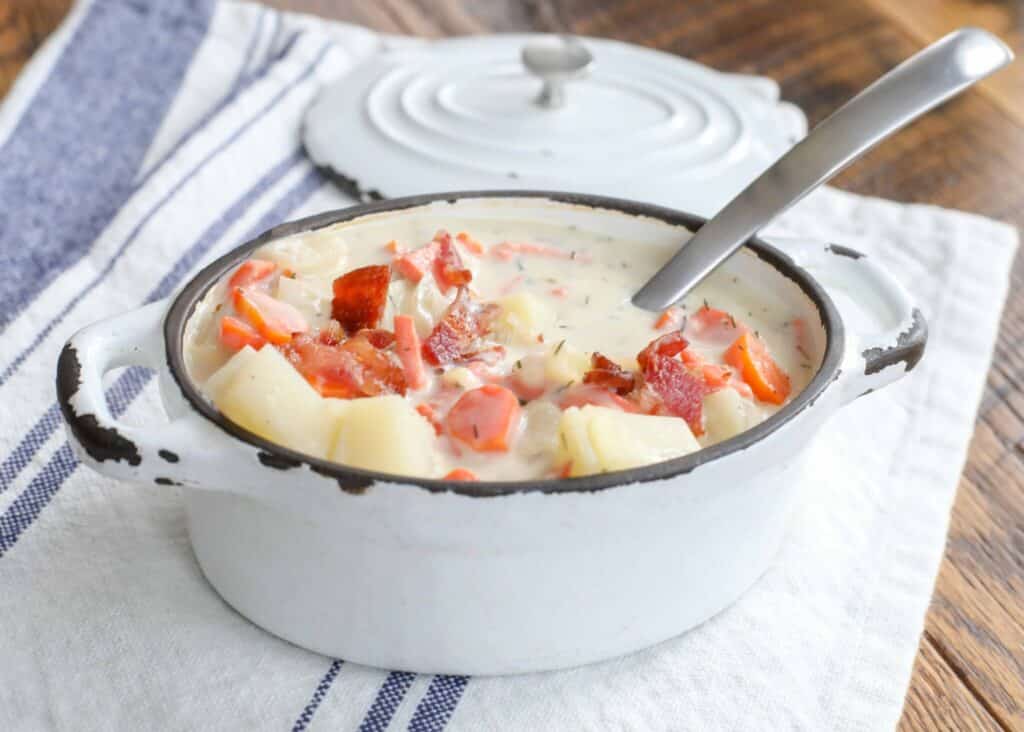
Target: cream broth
x,y
554,296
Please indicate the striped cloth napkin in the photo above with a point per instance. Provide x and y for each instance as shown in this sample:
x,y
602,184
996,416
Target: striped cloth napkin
x,y
146,138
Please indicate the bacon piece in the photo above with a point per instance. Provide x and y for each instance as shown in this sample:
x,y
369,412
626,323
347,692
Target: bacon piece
x,y
681,391
378,337
455,336
449,271
667,345
360,297
354,368
608,374
647,401
331,334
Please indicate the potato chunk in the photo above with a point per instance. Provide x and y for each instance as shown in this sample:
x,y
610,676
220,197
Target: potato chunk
x,y
317,254
223,376
566,363
262,391
522,317
385,433
726,414
574,444
310,297
598,439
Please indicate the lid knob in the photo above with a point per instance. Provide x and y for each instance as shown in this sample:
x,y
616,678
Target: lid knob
x,y
556,60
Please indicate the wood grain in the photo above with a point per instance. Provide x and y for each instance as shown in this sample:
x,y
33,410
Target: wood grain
x,y
938,701
968,155
24,25
926,20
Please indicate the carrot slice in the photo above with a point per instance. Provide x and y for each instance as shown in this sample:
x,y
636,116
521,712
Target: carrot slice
x,y
461,474
275,320
237,334
471,244
250,272
485,418
507,250
583,394
415,264
671,318
410,353
750,357
428,413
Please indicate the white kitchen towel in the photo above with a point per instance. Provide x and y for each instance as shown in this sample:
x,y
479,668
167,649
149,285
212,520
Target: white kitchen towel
x,y
146,138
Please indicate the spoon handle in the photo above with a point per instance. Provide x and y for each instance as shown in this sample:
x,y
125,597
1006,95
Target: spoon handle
x,y
923,81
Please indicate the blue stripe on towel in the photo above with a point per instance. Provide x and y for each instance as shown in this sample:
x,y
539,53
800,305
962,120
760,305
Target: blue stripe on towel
x,y
244,80
29,446
437,705
13,366
69,162
41,489
388,698
318,696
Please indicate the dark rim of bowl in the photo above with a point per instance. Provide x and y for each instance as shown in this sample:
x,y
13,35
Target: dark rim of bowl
x,y
356,480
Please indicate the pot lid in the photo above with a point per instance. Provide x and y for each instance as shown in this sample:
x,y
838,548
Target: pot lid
x,y
547,112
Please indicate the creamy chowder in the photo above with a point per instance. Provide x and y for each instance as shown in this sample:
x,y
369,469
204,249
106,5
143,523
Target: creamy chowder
x,y
489,350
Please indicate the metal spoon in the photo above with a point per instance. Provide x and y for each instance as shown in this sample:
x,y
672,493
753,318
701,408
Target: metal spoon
x,y
926,79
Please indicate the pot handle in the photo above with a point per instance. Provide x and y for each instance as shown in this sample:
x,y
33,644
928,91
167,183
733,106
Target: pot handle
x,y
102,441
886,331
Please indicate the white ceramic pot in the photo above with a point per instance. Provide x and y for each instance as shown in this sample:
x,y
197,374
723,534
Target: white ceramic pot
x,y
484,578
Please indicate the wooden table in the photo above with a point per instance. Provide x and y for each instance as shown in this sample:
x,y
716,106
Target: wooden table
x,y
969,155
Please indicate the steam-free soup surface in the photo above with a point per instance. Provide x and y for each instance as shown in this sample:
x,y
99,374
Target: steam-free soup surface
x,y
488,351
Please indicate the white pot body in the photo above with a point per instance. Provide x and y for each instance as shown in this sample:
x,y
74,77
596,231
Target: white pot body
x,y
453,584
422,576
